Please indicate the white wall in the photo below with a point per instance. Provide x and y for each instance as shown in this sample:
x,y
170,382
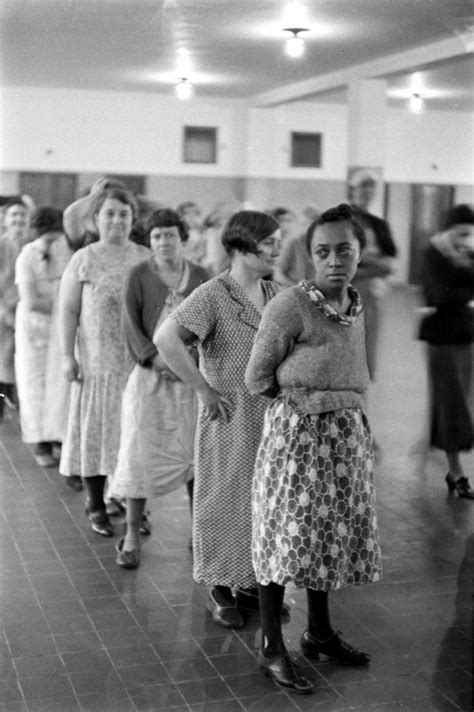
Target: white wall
x,y
432,147
92,131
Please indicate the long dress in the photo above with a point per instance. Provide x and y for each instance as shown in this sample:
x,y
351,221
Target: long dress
x,y
42,392
8,300
225,323
449,332
93,425
156,453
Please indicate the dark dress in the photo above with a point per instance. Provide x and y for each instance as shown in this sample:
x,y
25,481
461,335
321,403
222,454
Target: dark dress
x,y
449,332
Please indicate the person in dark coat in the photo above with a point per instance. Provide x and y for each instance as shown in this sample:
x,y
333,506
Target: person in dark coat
x,y
448,285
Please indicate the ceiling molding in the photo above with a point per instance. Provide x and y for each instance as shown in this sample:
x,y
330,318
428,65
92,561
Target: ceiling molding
x,y
408,60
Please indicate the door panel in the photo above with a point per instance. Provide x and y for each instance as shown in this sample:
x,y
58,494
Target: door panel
x,y
55,189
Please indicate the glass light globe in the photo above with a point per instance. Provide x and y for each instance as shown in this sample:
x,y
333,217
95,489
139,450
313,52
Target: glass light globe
x,y
294,46
184,90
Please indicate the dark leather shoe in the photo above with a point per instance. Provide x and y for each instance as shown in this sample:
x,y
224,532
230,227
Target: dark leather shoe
x,y
227,616
75,483
145,526
285,673
100,524
334,647
461,486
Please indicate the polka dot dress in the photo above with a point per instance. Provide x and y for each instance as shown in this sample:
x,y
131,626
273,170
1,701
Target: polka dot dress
x,y
225,323
313,502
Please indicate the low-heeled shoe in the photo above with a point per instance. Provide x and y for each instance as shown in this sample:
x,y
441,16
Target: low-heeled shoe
x,y
75,482
461,486
100,523
127,559
334,647
285,673
227,616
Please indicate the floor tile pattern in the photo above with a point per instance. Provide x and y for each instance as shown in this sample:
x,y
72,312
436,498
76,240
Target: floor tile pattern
x,y
80,635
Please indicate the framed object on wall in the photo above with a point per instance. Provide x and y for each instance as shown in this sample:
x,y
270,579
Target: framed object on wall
x,y
306,149
200,144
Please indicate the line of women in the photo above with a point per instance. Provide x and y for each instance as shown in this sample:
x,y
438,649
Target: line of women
x,y
269,383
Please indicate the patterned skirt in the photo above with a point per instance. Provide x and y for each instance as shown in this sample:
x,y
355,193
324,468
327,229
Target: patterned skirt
x,y
313,500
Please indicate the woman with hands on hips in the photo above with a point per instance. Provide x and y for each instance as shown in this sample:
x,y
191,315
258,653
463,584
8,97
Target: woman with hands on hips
x,y
158,410
313,508
222,317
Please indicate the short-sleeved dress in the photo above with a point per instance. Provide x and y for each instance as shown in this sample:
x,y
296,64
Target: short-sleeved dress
x,y
225,322
93,427
42,393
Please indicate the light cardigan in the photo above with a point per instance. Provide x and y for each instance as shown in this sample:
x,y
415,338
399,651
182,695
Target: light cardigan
x,y
319,364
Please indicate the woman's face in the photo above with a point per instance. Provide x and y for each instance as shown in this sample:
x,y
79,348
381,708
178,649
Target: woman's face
x,y
114,221
462,238
335,252
268,252
16,221
165,243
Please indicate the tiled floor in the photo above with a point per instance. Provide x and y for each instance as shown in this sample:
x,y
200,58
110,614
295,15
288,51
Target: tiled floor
x,y
79,634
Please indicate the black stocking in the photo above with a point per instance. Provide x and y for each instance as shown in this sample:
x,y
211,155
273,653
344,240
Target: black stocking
x,y
95,492
190,488
271,599
319,623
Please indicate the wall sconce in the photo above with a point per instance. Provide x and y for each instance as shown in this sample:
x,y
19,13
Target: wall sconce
x,y
294,45
416,103
184,89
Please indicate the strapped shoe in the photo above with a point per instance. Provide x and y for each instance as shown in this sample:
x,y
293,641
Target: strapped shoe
x,y
227,616
285,673
334,647
100,523
127,559
461,486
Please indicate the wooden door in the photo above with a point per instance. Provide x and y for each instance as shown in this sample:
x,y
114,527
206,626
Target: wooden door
x,y
429,204
55,189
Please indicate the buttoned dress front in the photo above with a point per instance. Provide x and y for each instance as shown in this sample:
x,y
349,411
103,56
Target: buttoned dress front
x,y
225,323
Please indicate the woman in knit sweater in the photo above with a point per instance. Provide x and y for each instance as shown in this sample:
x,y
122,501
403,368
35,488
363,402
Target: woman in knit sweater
x,y
158,410
314,522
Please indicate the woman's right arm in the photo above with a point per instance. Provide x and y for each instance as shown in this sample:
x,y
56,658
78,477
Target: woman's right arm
x,y
70,299
170,339
276,336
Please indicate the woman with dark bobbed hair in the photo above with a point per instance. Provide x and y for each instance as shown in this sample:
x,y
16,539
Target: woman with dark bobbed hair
x,y
314,520
95,358
42,396
448,285
158,410
222,318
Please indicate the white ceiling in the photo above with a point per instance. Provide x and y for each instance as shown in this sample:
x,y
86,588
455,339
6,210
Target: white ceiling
x,y
235,47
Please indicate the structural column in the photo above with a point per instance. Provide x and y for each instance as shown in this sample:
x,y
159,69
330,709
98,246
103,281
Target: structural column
x,y
367,128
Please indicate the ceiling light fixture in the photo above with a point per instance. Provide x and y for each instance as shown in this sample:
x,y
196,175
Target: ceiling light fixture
x,y
416,103
184,89
294,45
